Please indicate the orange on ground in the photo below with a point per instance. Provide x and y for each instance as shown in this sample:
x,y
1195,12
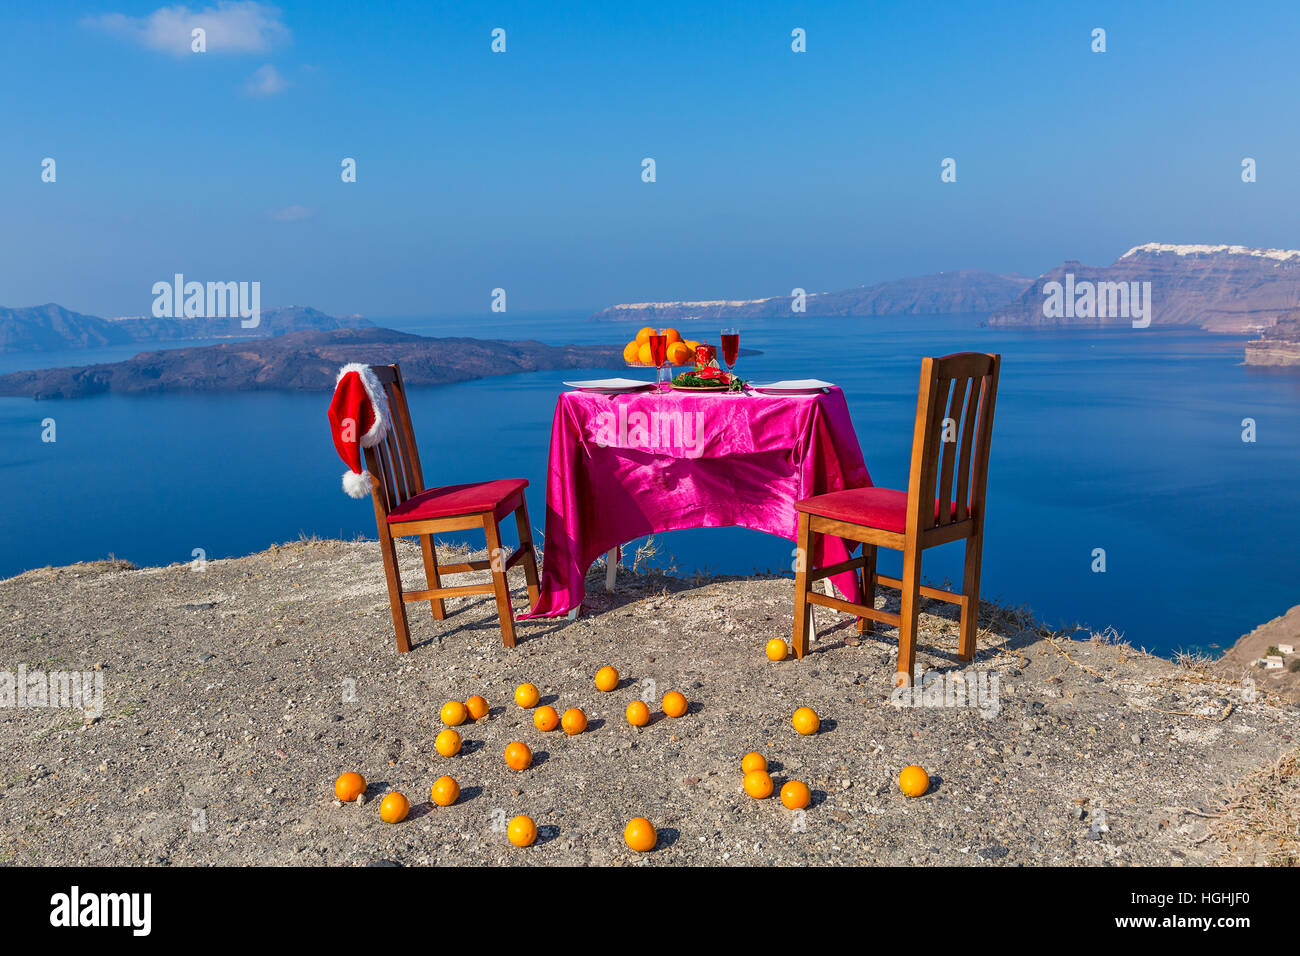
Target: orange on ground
x,y
445,791
526,695
674,704
806,721
913,781
606,679
477,707
518,756
679,354
630,351
522,831
546,719
644,334
753,761
777,650
758,784
447,743
349,786
394,808
795,795
574,721
640,834
644,355
453,713
638,714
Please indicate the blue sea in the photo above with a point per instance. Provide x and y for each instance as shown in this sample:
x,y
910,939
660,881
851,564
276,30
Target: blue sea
x,y
1124,440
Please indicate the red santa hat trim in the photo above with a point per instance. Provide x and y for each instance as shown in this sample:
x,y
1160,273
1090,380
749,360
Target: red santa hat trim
x,y
359,418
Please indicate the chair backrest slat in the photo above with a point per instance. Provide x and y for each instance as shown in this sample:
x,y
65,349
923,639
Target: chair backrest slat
x,y
954,402
395,461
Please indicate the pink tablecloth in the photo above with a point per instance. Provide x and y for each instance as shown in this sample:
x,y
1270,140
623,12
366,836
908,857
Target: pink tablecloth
x,y
626,466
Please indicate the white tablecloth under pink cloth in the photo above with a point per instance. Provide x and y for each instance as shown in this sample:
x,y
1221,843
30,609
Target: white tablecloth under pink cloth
x,y
629,465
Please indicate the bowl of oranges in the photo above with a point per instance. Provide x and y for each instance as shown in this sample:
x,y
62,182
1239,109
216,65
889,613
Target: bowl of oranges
x,y
638,354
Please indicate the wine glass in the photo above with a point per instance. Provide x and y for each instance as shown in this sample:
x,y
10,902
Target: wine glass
x,y
659,352
730,347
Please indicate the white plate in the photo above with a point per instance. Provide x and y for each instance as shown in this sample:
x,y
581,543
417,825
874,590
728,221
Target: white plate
x,y
794,385
610,385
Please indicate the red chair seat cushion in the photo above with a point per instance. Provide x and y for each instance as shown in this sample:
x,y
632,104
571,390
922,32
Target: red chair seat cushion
x,y
454,500
883,508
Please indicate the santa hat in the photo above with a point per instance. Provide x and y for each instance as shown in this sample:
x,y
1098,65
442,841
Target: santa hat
x,y
359,418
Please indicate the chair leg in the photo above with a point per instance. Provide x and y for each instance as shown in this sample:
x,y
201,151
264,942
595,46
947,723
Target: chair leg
x,y
496,555
388,548
431,575
866,625
530,563
910,614
802,609
970,607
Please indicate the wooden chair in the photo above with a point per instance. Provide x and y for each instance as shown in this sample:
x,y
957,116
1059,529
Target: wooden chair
x,y
404,507
950,458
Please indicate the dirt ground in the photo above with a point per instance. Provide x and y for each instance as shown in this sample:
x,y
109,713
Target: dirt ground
x,y
234,695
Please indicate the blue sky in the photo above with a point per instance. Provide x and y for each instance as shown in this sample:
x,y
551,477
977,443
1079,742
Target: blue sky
x,y
523,170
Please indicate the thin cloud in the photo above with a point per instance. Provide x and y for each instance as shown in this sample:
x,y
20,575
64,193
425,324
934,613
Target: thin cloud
x,y
266,81
241,26
291,214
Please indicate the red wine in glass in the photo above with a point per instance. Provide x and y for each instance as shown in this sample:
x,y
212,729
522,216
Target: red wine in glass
x,y
730,348
659,350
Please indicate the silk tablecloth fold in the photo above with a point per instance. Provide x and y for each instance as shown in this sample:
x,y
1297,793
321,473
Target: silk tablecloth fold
x,y
629,465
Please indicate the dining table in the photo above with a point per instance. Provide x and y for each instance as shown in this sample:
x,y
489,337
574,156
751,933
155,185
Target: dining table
x,y
627,465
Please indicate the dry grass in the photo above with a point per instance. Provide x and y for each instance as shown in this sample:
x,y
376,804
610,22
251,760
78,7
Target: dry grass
x,y
1261,821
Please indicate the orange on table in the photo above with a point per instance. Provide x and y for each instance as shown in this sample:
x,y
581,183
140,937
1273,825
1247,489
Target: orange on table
x,y
753,761
795,795
806,721
453,713
679,354
673,336
546,719
643,336
640,834
674,704
913,781
526,695
644,355
758,784
574,721
522,831
518,756
606,679
477,707
394,808
777,650
638,714
349,786
631,351
447,743
691,344
445,791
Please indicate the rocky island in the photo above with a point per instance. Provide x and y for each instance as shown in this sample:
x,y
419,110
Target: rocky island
x,y
305,361
51,327
965,290
1278,346
1232,289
